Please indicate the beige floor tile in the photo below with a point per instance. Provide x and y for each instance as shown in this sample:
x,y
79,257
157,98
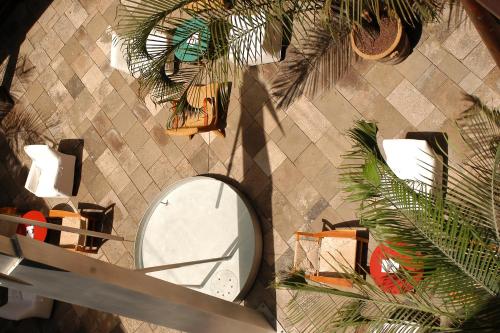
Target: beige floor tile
x,y
60,96
462,40
127,193
311,161
333,145
479,61
339,112
433,122
269,118
64,28
82,64
470,83
303,197
269,158
148,154
118,179
128,160
52,44
44,106
293,142
184,169
351,84
151,192
327,182
33,91
433,50
76,14
492,80
410,103
136,136
96,26
488,96
71,50
430,81
453,68
414,66
107,163
449,99
93,78
286,177
141,178
384,78
62,69
47,78
309,119
203,160
113,104
161,171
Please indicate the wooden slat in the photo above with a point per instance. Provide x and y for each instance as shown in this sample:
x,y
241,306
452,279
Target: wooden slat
x,y
19,220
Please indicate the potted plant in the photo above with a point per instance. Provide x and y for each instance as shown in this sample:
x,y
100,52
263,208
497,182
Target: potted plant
x,y
456,236
296,19
381,38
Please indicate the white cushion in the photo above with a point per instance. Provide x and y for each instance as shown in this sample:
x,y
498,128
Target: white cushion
x,y
51,174
263,45
335,250
411,159
118,60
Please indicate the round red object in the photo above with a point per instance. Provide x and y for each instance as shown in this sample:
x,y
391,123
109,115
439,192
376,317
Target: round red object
x,y
39,233
390,282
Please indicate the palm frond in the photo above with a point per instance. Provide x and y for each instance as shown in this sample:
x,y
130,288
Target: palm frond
x,y
236,35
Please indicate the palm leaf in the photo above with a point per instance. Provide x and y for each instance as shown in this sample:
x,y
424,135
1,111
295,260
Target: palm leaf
x,y
138,19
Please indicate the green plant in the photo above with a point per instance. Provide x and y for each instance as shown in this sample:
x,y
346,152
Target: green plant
x,y
300,21
454,229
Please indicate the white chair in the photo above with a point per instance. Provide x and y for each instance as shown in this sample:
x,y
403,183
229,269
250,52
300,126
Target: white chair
x,y
156,43
414,160
51,174
22,305
262,45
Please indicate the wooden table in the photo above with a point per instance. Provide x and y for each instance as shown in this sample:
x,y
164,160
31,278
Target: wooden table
x,y
39,233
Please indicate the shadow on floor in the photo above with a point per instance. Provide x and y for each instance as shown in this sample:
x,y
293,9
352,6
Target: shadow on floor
x,y
18,16
262,296
74,147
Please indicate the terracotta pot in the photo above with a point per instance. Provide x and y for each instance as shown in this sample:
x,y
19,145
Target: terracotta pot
x,y
399,50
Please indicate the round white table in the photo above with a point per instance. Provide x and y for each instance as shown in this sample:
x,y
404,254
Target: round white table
x,y
201,233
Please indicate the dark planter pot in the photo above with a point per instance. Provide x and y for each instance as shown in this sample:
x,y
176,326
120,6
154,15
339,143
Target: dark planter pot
x,y
399,50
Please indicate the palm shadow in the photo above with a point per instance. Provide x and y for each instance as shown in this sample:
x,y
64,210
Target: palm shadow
x,y
312,66
257,185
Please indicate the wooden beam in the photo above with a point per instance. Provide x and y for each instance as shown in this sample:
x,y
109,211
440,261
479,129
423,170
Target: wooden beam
x,y
52,226
486,25
78,279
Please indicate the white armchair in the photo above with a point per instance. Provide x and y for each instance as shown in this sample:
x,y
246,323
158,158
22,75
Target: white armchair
x,y
415,160
156,43
263,45
22,305
51,174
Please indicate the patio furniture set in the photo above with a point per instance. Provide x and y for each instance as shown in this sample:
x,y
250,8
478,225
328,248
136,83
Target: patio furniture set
x,y
206,105
328,257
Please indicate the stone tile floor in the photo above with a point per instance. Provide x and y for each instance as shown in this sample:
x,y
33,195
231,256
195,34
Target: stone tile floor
x,y
286,160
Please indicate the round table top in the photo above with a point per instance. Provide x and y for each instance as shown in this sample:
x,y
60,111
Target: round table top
x,y
194,37
207,232
390,282
39,233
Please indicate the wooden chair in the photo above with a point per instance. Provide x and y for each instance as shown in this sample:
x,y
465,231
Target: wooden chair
x,y
322,259
211,107
90,217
